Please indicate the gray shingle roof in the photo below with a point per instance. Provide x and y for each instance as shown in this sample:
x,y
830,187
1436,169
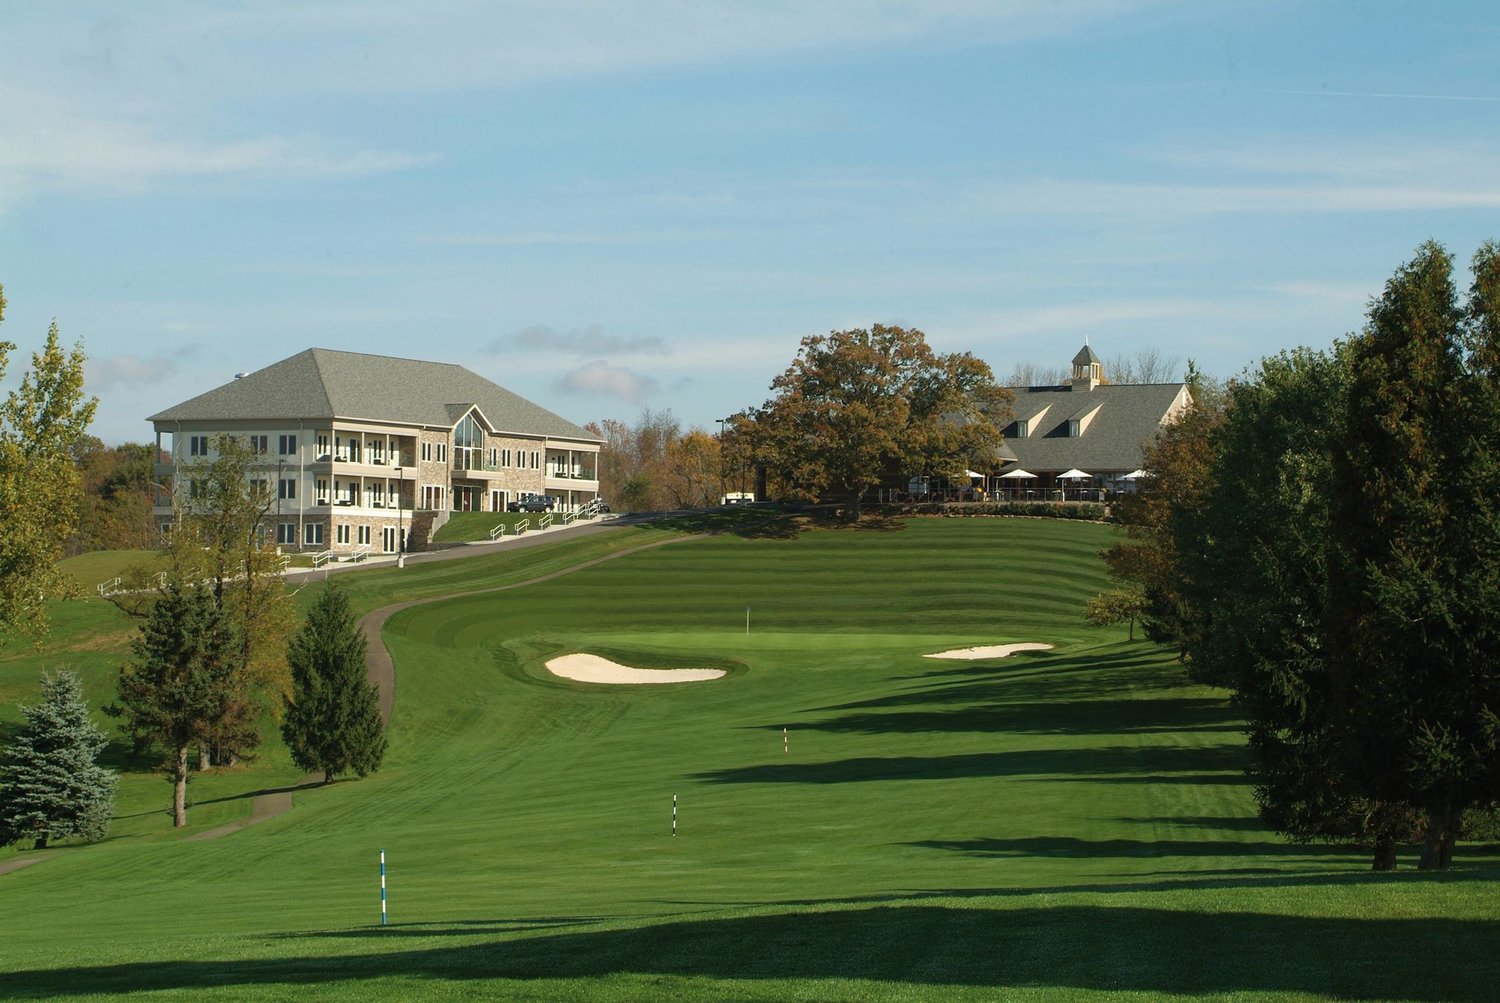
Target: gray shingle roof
x,y
323,384
1085,356
1129,417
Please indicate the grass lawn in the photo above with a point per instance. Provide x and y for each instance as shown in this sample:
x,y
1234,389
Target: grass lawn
x,y
1055,825
101,565
465,526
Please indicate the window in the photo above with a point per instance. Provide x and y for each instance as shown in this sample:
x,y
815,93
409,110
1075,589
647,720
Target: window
x,y
536,460
1023,428
286,445
442,452
287,488
260,487
505,454
494,456
341,533
322,491
364,534
377,495
198,445
322,446
197,488
1074,431
353,449
286,532
259,444
427,451
312,533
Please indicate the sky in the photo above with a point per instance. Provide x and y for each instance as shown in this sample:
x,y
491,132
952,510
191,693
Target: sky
x,y
611,206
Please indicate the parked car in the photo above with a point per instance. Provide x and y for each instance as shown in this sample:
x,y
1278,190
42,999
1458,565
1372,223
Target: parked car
x,y
532,503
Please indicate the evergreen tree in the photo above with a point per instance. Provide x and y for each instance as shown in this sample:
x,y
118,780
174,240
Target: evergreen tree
x,y
332,719
179,687
50,786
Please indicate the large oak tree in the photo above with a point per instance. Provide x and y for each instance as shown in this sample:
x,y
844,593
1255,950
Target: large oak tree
x,y
860,405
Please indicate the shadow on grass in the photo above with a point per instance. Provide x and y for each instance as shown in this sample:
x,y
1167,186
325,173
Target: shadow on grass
x,y
1067,847
1080,717
1215,764
1069,949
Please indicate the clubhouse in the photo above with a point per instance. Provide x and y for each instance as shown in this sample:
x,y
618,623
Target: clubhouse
x,y
1085,426
362,447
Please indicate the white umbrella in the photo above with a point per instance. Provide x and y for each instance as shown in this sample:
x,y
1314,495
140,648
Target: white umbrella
x,y
1074,475
1135,475
1018,474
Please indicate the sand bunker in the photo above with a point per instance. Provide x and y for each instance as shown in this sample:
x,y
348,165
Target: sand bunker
x,y
991,651
593,669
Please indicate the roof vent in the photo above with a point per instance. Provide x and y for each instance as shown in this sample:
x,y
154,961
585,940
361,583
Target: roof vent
x,y
240,376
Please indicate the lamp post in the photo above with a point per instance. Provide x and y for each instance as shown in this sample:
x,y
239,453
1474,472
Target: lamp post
x,y
721,421
400,521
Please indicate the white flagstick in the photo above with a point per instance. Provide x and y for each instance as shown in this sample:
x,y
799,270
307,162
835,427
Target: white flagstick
x,y
382,888
785,748
674,814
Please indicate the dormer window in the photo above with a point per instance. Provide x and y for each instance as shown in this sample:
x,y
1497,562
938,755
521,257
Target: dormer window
x,y
1075,428
1023,428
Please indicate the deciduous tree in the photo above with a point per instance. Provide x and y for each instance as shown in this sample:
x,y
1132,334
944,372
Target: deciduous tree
x,y
40,421
858,405
50,785
220,537
332,721
1116,606
1177,466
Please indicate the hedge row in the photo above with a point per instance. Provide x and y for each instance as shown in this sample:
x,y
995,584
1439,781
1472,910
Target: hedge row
x,y
1087,511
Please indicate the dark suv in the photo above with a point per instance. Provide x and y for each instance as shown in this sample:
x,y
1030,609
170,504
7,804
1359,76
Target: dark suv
x,y
532,503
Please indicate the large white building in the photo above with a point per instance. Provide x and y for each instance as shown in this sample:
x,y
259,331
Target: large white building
x,y
356,447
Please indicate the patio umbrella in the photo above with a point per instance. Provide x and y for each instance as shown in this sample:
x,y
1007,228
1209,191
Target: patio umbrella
x,y
1074,475
1018,474
1135,475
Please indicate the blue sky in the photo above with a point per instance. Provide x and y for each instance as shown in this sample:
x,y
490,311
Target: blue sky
x,y
605,206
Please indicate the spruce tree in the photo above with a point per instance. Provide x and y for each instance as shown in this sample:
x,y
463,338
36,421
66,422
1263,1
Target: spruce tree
x,y
180,687
50,786
332,721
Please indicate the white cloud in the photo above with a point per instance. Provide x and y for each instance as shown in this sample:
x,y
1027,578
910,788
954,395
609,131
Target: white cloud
x,y
599,378
590,340
52,145
393,46
115,371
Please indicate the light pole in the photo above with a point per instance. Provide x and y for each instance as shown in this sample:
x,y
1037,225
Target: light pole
x,y
721,421
400,521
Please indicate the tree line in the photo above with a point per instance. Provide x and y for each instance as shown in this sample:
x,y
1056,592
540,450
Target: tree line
x,y
1322,536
